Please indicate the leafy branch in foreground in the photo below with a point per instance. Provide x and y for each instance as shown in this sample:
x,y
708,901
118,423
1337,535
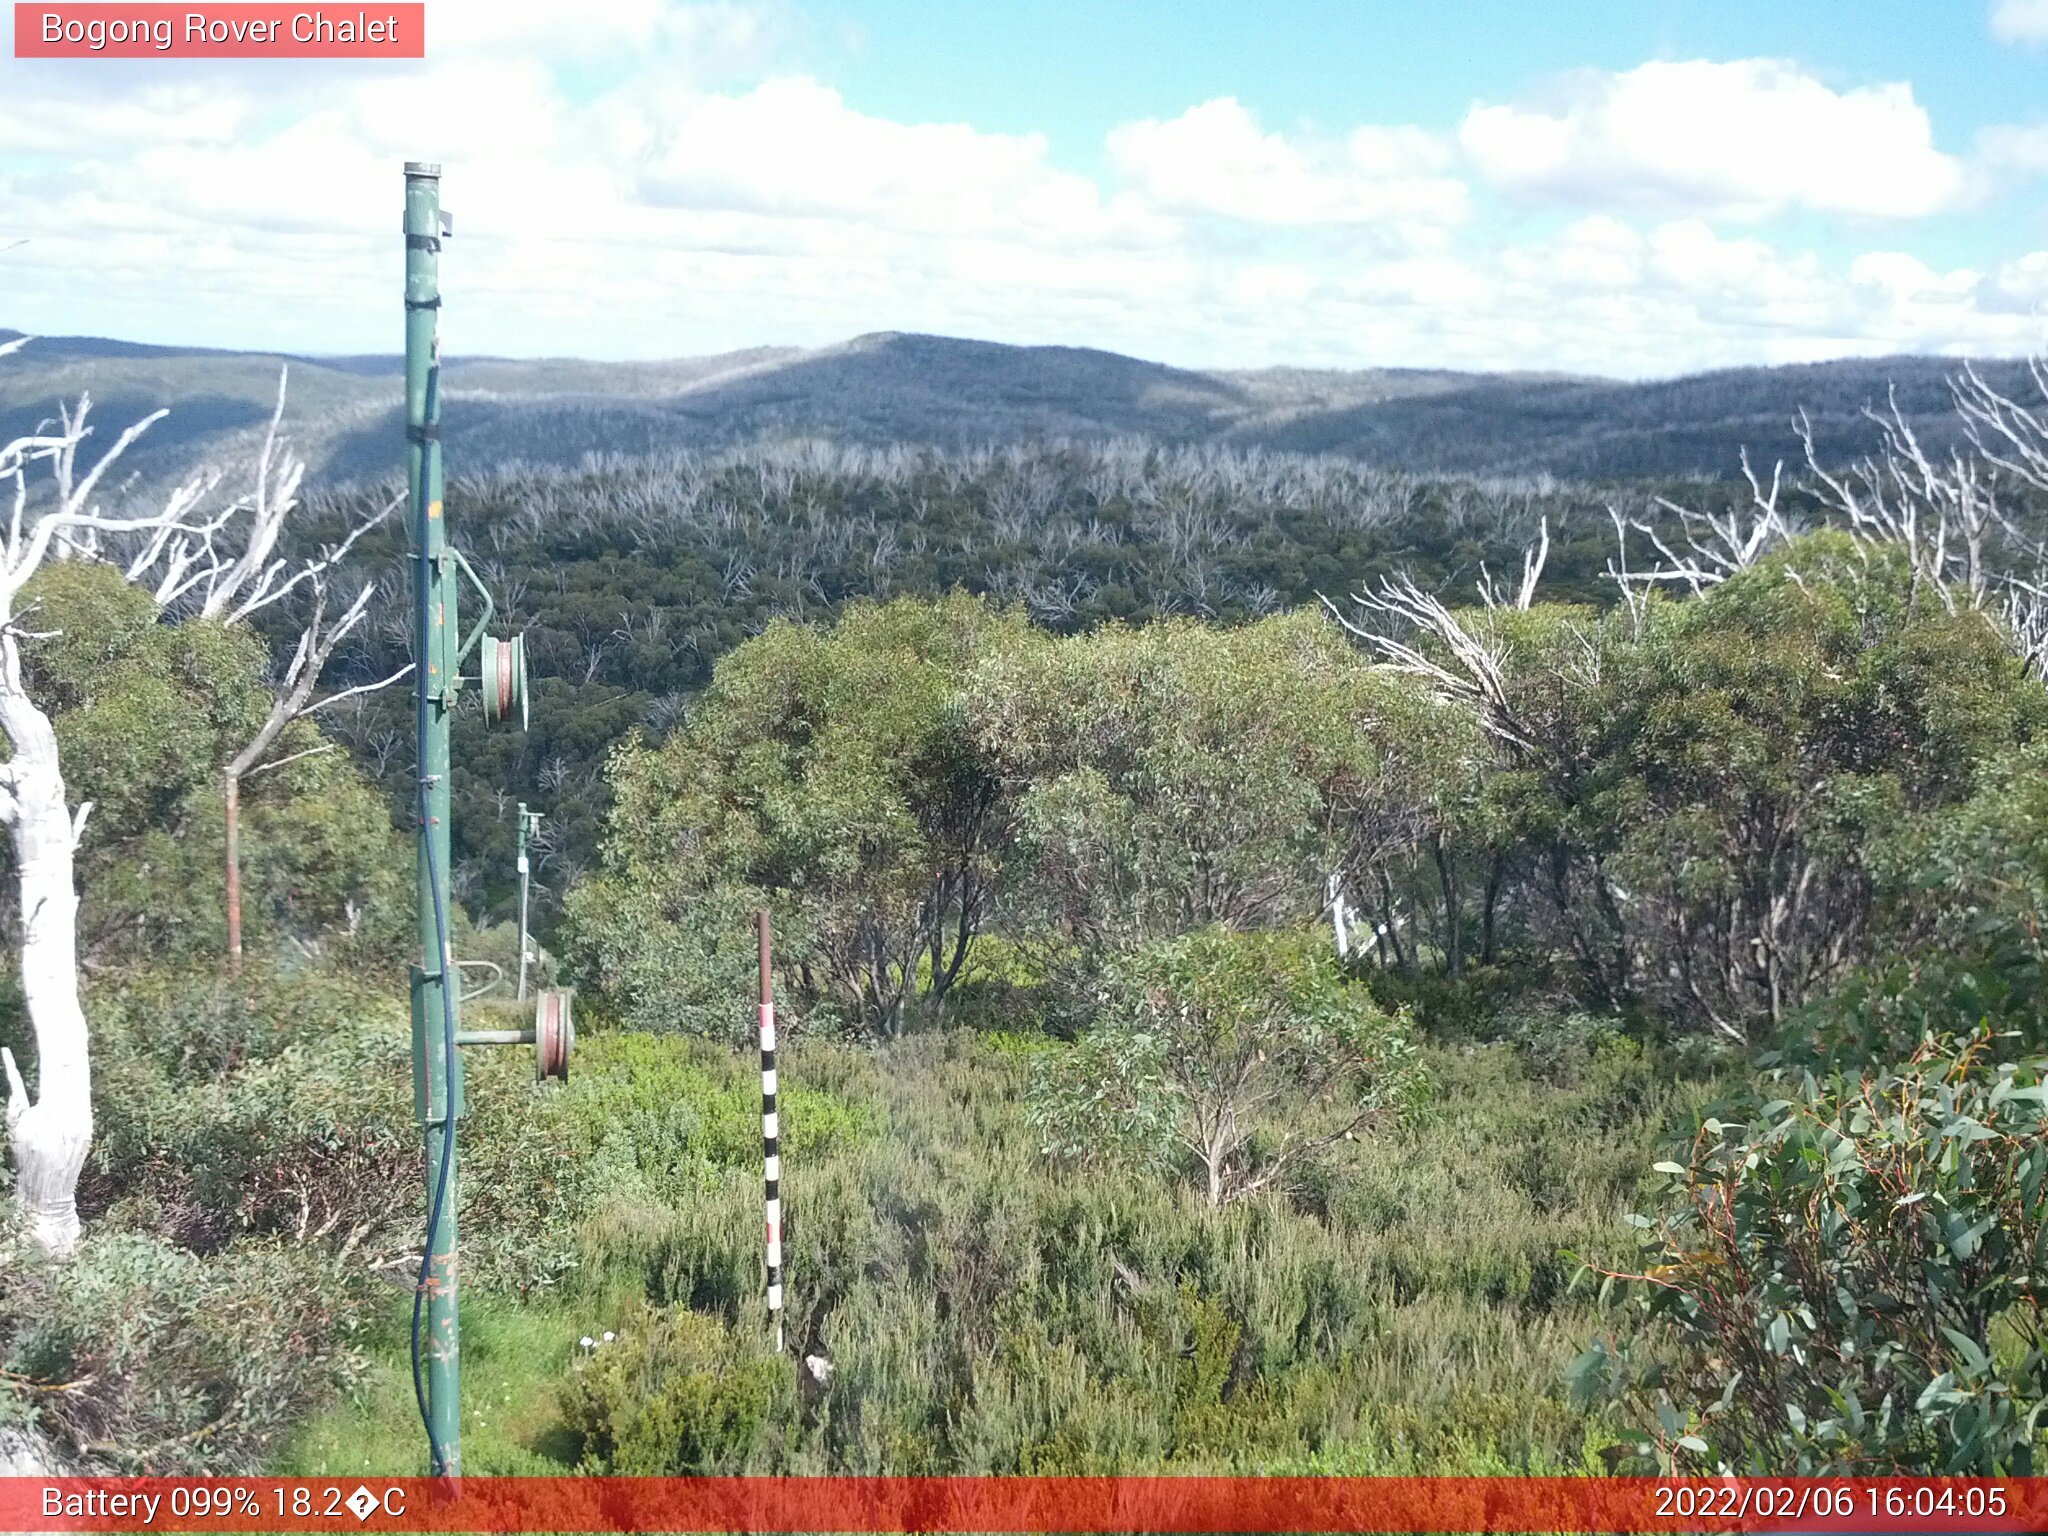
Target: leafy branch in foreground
x,y
1845,1279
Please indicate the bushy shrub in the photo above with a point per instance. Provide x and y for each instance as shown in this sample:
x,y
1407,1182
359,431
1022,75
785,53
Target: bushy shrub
x,y
274,1106
1964,892
629,1164
677,1393
1563,1045
1842,1277
668,964
1466,1007
825,773
1180,775
147,714
142,1356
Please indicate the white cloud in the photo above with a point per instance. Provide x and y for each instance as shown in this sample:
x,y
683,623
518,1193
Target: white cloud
x,y
176,114
2020,147
624,196
792,147
1741,140
2020,21
1214,159
2020,285
1902,276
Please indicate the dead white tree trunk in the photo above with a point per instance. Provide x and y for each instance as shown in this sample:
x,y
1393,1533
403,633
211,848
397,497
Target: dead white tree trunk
x,y
1534,558
1339,927
49,1135
50,1132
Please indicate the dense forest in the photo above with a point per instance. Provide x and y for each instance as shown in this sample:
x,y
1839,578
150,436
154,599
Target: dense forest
x,y
631,578
1287,966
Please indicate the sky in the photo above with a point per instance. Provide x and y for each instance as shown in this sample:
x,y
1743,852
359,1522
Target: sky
x,y
1635,188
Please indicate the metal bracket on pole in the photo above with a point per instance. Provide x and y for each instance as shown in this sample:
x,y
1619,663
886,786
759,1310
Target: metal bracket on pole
x,y
553,1035
529,827
483,619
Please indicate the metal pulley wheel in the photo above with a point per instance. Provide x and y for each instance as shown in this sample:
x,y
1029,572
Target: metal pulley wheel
x,y
501,667
554,1033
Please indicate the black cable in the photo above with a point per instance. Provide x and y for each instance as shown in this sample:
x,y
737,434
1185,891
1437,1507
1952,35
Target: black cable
x,y
419,1296
436,1455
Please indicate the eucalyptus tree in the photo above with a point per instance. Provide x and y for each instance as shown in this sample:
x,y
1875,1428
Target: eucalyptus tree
x,y
1697,783
824,773
1244,1054
228,568
1180,775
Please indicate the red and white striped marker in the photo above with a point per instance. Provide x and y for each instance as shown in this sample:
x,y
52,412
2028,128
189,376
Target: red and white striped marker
x,y
771,1155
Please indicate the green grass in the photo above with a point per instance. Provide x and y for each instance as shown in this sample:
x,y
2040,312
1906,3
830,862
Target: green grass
x,y
512,1356
1406,1310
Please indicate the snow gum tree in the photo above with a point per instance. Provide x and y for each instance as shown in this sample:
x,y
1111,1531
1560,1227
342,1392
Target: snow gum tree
x,y
194,557
50,1133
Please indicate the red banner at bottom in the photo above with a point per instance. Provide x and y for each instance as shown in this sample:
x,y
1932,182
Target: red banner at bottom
x,y
1073,1504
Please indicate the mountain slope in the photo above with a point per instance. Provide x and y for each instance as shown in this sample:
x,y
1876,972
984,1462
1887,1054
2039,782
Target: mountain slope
x,y
896,388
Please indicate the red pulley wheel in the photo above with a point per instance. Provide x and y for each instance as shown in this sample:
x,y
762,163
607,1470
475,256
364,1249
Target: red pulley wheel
x,y
501,675
501,685
554,1033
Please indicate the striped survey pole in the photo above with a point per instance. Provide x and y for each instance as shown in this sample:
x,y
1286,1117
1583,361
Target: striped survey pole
x,y
771,1155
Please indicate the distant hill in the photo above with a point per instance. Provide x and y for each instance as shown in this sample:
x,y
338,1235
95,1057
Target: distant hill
x,y
896,388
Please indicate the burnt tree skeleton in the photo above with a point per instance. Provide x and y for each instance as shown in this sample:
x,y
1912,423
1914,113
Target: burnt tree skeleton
x,y
235,584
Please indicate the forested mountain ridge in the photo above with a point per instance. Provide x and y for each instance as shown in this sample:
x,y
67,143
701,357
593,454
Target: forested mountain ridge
x,y
891,388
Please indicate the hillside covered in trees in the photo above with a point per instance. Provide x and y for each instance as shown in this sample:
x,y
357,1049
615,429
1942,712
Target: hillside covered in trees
x,y
892,390
1288,965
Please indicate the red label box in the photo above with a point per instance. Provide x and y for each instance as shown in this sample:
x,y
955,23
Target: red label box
x,y
377,29
1106,1506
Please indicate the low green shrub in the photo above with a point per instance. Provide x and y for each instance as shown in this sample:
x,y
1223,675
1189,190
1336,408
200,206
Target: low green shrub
x,y
988,1311
272,1106
1465,1007
1563,1046
676,1393
143,1357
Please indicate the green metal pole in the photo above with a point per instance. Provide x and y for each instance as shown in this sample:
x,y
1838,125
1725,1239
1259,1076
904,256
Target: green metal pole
x,y
437,1076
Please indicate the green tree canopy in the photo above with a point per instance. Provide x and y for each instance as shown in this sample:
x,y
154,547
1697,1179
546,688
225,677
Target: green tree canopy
x,y
147,713
1178,775
825,774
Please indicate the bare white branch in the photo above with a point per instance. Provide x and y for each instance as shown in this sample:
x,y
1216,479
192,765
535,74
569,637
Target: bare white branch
x,y
293,757
1533,559
360,689
1472,676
